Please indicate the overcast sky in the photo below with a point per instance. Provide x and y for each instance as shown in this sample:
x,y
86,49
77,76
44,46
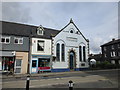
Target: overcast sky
x,y
98,21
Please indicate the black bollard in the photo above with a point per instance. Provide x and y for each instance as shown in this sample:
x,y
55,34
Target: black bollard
x,y
70,85
27,82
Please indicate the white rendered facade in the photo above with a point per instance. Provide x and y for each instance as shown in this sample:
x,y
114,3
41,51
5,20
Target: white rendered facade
x,y
43,55
72,40
72,53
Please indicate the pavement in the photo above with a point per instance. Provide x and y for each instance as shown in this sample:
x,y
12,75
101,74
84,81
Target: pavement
x,y
49,73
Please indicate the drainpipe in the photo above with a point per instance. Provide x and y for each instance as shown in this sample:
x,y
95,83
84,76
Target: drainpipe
x,y
29,53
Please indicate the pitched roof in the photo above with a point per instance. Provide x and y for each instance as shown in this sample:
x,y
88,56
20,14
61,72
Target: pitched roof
x,y
71,21
11,28
111,42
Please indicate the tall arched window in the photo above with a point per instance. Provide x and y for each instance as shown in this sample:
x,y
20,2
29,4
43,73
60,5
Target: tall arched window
x,y
58,52
80,53
84,54
63,52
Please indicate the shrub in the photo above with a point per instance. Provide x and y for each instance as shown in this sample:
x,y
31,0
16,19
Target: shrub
x,y
106,65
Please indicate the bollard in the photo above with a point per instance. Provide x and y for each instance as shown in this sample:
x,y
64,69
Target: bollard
x,y
27,82
70,85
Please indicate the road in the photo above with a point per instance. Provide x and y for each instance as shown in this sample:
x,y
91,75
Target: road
x,y
81,79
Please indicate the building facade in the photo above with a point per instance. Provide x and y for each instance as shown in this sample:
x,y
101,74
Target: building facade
x,y
70,48
36,48
111,51
41,47
14,42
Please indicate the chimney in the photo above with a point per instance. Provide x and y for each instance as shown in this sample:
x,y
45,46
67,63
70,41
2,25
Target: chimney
x,y
113,39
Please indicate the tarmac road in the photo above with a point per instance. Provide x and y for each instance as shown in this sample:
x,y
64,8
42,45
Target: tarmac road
x,y
81,79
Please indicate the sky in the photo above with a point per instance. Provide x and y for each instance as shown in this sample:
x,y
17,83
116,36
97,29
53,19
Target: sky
x,y
98,21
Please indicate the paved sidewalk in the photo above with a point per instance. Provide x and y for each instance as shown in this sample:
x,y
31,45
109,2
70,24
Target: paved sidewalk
x,y
40,74
50,73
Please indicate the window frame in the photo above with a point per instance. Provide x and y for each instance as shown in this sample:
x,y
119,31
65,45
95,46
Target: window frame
x,y
42,46
18,38
58,52
5,37
80,53
84,53
63,52
112,47
104,48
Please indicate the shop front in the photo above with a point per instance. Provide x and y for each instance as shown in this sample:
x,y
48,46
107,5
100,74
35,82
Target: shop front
x,y
7,60
40,64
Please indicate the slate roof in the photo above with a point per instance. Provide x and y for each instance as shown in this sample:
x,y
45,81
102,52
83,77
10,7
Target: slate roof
x,y
11,28
111,42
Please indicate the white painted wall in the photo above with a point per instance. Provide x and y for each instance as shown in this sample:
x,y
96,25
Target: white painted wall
x,y
64,37
47,47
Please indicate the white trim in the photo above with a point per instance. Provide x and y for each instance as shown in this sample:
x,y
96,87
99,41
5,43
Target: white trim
x,y
18,40
5,37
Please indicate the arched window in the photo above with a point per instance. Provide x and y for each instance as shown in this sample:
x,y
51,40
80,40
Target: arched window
x,y
84,54
58,52
71,31
80,53
63,52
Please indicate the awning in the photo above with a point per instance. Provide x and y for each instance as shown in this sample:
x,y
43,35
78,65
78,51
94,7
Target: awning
x,y
7,53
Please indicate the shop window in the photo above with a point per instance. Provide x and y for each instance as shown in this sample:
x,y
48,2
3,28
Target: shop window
x,y
80,53
5,40
58,52
40,45
18,40
63,52
43,62
84,54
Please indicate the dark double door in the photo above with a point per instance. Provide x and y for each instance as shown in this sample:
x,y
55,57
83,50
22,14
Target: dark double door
x,y
72,60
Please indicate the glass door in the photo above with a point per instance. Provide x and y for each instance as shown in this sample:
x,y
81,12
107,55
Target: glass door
x,y
18,65
34,66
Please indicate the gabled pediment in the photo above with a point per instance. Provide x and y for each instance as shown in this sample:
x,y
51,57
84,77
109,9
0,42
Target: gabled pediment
x,y
72,29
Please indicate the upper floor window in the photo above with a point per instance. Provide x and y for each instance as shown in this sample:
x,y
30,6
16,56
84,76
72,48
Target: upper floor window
x,y
40,45
58,52
63,52
112,46
113,54
40,30
5,40
105,49
118,45
18,40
